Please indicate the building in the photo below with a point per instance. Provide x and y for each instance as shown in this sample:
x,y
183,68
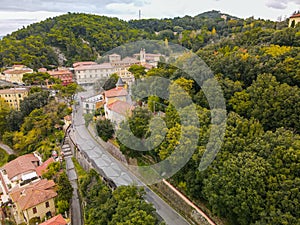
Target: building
x,y
13,96
117,93
294,20
118,111
57,220
65,75
85,63
117,103
87,74
114,58
125,63
90,104
34,201
149,58
40,170
126,76
18,173
15,74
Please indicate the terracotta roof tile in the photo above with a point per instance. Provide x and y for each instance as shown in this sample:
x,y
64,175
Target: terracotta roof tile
x,y
94,67
21,165
295,16
121,107
17,71
57,220
83,63
116,92
13,91
40,170
34,194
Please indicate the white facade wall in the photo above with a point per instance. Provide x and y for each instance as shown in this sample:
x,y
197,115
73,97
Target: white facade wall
x,y
89,74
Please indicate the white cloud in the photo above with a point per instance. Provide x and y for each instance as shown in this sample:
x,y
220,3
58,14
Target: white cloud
x,y
122,8
36,10
282,4
64,5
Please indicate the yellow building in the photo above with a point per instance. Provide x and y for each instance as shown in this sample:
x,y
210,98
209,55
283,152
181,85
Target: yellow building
x,y
13,96
294,19
34,201
15,74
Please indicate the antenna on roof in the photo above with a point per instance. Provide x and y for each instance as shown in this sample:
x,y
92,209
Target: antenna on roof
x,y
140,14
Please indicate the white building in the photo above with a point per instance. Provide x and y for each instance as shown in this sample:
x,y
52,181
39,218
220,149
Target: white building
x,y
88,74
17,173
90,104
118,111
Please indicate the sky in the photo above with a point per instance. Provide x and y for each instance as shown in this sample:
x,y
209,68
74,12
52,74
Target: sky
x,y
16,14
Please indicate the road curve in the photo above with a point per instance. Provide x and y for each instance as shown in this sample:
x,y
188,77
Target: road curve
x,y
116,170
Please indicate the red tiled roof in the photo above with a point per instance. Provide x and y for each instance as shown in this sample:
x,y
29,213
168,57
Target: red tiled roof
x,y
120,107
60,72
83,63
57,220
116,92
295,16
13,91
34,194
40,170
17,71
42,70
94,66
21,165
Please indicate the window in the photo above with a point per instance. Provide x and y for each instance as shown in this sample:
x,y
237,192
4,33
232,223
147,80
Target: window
x,y
20,96
47,204
34,210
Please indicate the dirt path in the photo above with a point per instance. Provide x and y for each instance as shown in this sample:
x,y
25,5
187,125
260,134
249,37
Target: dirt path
x,y
7,149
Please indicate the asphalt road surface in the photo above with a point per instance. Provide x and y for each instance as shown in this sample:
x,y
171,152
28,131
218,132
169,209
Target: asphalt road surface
x,y
114,169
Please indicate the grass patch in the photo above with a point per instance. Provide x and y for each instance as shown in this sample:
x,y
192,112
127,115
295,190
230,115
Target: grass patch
x,y
81,173
3,157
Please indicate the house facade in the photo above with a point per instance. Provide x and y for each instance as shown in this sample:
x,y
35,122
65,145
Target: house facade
x,y
117,103
88,74
34,201
65,75
118,111
118,93
90,104
18,173
15,74
126,76
13,96
294,20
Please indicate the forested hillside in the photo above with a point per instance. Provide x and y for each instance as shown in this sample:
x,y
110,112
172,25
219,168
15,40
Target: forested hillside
x,y
66,39
74,37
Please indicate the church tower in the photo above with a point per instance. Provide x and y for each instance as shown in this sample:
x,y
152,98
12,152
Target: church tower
x,y
143,56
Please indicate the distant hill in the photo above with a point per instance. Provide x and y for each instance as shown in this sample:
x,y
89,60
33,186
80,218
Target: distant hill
x,y
72,37
214,14
65,39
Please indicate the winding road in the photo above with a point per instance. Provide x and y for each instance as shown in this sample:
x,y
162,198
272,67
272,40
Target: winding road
x,y
108,166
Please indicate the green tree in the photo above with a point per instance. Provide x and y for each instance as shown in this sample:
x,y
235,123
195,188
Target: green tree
x,y
4,112
64,188
111,82
105,129
137,70
275,105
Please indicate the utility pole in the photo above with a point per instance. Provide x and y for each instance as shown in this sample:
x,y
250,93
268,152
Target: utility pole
x,y
140,14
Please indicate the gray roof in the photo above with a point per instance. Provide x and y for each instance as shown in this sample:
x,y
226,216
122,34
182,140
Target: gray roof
x,y
120,82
